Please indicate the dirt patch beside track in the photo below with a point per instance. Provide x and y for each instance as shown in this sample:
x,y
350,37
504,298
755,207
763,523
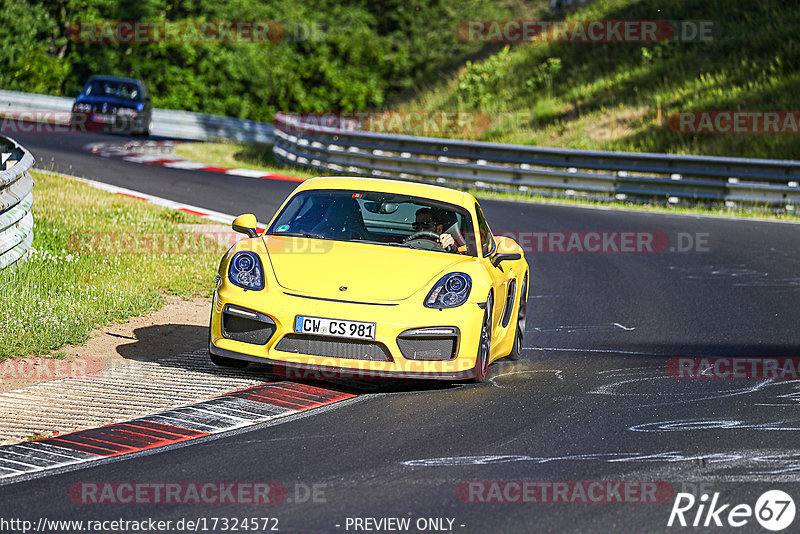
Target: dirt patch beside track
x,y
180,326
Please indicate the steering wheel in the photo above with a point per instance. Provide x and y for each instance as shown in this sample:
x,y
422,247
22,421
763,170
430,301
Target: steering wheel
x,y
433,236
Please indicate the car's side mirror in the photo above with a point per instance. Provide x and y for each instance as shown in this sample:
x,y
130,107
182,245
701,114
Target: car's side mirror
x,y
500,258
246,224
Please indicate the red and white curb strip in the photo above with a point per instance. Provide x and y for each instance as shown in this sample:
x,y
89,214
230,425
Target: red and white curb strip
x,y
161,153
230,411
211,215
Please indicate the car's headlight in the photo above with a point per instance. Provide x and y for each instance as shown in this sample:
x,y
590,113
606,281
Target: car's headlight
x,y
245,271
82,108
449,292
126,112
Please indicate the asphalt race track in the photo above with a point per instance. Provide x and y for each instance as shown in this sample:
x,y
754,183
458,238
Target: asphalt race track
x,y
593,398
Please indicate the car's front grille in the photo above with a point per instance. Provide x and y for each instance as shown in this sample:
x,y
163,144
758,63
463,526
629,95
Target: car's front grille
x,y
352,349
98,108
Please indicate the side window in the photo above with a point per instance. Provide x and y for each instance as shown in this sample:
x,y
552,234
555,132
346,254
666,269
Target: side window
x,y
487,240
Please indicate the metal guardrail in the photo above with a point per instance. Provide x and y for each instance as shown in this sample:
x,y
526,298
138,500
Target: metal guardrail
x,y
549,171
166,122
16,200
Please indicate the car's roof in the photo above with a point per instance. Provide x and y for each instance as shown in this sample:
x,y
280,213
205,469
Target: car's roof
x,y
434,192
115,79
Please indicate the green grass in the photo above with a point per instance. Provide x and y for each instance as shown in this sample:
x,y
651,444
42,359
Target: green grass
x,y
607,96
92,265
256,156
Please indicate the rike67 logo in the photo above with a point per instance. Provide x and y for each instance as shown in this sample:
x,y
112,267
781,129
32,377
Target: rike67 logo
x,y
774,510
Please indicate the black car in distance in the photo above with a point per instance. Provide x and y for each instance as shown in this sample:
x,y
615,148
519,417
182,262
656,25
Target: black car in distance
x,y
115,105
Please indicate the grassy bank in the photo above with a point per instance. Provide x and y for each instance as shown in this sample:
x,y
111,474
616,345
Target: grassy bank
x,y
618,96
255,156
97,259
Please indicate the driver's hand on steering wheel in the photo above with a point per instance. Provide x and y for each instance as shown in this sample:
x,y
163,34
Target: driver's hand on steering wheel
x,y
447,242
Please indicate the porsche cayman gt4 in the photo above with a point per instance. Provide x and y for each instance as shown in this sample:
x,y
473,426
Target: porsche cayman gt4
x,y
358,277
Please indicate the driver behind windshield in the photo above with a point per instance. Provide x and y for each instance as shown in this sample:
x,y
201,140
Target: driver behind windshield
x,y
428,220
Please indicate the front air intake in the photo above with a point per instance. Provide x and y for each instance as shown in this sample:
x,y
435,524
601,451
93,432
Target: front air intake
x,y
247,326
429,344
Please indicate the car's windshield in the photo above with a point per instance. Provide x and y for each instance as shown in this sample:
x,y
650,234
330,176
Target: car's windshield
x,y
124,90
375,217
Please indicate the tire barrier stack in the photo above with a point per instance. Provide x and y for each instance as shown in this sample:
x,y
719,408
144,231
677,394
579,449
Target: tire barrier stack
x,y
16,201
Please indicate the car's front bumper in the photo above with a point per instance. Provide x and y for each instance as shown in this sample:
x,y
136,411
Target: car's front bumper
x,y
81,121
278,310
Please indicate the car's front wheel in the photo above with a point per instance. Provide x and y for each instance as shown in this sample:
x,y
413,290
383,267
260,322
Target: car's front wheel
x,y
485,344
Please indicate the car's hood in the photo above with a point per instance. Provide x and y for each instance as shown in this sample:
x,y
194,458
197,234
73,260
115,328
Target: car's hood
x,y
370,273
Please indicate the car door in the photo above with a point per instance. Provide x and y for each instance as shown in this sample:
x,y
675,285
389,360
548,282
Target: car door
x,y
498,274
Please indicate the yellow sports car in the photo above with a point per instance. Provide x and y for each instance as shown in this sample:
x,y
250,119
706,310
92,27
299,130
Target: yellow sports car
x,y
358,277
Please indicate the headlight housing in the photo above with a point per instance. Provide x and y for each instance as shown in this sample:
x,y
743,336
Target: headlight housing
x,y
126,112
82,108
245,270
449,292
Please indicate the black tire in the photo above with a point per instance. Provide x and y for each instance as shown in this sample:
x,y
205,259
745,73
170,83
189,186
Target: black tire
x,y
485,346
519,336
222,361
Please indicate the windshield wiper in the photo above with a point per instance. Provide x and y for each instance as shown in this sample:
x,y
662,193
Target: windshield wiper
x,y
302,234
390,244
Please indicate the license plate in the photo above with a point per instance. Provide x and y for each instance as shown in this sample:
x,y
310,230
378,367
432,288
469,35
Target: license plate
x,y
97,117
334,327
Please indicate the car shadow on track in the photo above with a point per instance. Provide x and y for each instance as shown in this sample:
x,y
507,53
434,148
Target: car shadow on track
x,y
185,347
